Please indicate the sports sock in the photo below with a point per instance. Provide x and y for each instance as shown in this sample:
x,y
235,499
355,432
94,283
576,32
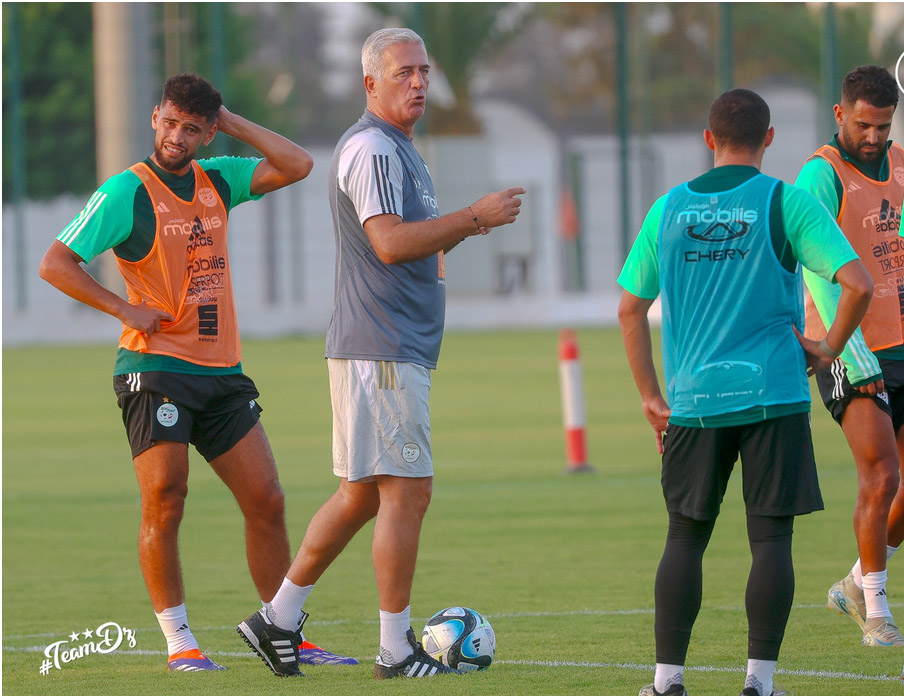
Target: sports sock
x,y
285,607
174,624
394,645
759,676
666,676
857,574
857,570
874,594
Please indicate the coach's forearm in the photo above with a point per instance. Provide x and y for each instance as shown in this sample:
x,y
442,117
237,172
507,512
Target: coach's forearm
x,y
396,241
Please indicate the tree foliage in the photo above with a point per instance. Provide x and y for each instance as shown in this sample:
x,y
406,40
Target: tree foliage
x,y
557,60
57,87
255,47
674,55
459,36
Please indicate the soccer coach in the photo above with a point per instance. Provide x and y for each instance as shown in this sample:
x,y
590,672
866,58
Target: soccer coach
x,y
383,341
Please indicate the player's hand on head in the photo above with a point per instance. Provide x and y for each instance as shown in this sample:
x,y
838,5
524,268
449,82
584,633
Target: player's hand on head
x,y
223,120
499,208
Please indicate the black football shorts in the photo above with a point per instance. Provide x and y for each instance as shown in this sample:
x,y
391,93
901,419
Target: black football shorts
x,y
778,468
212,412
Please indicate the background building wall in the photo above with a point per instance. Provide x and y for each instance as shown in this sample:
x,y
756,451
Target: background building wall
x,y
282,247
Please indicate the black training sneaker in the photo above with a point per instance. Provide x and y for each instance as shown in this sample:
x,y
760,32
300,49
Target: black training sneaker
x,y
750,691
673,690
418,664
277,647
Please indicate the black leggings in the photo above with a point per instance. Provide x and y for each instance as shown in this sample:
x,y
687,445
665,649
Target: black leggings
x,y
679,585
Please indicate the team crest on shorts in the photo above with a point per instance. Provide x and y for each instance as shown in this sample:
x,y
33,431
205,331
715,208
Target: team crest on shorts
x,y
411,452
167,415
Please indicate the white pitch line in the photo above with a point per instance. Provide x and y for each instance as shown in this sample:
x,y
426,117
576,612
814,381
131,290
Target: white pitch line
x,y
512,615
819,674
855,676
702,668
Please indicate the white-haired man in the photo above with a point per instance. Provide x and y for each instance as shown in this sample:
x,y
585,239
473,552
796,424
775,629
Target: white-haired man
x,y
383,341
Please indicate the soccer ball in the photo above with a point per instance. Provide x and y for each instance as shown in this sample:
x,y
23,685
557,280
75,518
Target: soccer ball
x,y
460,638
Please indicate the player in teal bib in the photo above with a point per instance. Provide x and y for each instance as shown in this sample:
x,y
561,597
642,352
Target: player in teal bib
x,y
722,256
760,265
725,252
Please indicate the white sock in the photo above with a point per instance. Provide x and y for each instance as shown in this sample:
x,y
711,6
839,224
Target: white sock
x,y
666,676
285,607
857,570
394,645
857,574
874,594
759,676
174,624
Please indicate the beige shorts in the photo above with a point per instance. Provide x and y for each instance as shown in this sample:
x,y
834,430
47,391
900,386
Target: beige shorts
x,y
381,419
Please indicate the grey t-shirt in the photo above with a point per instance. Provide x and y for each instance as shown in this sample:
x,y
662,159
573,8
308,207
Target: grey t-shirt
x,y
382,311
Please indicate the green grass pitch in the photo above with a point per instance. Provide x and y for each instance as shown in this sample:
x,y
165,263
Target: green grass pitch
x,y
562,565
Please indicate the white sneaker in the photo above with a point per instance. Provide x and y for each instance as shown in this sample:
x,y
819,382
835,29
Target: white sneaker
x,y
846,598
881,633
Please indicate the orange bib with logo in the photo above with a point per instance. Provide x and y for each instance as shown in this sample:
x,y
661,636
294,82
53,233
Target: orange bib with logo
x,y
870,217
186,273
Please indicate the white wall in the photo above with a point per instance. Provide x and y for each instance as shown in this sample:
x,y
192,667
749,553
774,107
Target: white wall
x,y
282,247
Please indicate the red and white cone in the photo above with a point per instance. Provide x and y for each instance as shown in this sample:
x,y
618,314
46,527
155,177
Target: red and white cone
x,y
573,411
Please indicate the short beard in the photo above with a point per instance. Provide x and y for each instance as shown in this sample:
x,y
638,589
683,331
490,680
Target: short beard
x,y
165,160
869,156
847,142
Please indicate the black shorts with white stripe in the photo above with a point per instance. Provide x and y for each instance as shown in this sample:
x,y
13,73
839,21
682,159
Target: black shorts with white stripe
x,y
836,391
212,412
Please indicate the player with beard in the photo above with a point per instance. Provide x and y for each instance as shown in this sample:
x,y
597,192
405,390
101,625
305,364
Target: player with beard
x,y
178,374
859,178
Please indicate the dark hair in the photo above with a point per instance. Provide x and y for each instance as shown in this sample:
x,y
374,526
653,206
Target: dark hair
x,y
192,94
871,83
739,118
